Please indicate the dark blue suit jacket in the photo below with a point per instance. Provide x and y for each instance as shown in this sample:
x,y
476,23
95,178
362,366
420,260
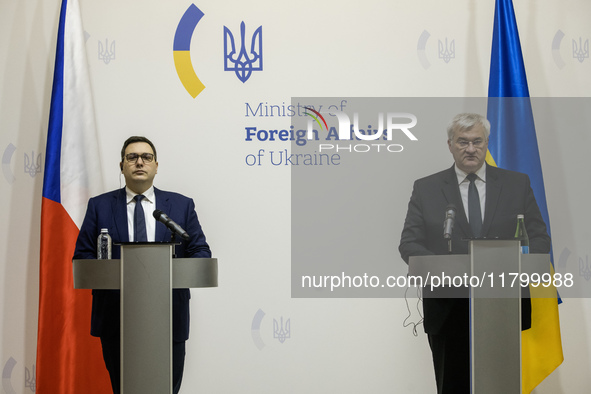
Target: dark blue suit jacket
x,y
508,194
109,211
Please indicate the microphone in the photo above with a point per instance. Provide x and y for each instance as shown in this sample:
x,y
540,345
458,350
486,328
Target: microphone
x,y
168,222
450,219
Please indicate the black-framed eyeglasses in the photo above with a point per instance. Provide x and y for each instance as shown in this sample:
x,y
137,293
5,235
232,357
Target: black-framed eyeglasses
x,y
146,157
477,143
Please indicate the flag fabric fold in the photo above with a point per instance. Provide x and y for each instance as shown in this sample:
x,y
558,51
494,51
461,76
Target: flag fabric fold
x,y
68,359
513,145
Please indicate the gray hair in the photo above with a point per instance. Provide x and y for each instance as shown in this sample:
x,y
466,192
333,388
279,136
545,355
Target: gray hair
x,y
465,122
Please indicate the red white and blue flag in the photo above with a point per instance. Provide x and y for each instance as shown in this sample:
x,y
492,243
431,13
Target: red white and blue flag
x,y
68,359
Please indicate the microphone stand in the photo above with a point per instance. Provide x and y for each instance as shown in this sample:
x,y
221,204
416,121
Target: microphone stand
x,y
448,224
173,242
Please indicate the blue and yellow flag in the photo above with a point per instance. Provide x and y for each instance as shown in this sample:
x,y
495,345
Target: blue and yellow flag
x,y
513,145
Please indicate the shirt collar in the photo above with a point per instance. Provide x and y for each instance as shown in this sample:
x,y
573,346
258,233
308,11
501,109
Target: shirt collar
x,y
481,173
148,194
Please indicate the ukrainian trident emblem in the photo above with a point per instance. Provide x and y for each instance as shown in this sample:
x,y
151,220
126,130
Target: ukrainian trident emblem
x,y
243,62
279,332
106,52
30,380
581,51
447,53
584,269
32,166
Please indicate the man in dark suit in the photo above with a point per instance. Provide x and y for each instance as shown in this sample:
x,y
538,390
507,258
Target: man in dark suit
x,y
488,200
117,211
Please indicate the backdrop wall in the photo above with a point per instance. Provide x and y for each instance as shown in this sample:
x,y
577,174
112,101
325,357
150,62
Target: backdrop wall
x,y
310,48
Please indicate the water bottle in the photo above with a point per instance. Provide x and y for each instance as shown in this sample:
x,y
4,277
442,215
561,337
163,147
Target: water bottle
x,y
103,245
521,234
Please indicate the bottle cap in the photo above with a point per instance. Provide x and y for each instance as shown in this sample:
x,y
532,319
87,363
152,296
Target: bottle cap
x,y
520,216
104,230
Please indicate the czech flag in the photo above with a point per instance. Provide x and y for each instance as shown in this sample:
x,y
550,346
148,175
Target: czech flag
x,y
513,145
69,360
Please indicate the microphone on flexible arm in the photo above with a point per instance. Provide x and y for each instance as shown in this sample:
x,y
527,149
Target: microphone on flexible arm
x,y
168,222
448,224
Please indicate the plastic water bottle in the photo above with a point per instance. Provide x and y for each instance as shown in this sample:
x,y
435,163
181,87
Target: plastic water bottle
x,y
103,245
521,234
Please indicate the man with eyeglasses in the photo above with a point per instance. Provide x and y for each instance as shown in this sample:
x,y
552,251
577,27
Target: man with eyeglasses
x,y
487,201
127,214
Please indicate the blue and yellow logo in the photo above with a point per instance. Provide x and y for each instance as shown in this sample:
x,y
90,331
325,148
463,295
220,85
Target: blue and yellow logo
x,y
181,50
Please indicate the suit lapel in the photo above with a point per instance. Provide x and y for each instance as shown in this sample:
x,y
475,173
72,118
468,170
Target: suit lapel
x,y
493,191
119,207
451,190
163,204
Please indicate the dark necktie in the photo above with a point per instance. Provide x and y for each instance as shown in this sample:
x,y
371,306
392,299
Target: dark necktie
x,y
139,220
474,213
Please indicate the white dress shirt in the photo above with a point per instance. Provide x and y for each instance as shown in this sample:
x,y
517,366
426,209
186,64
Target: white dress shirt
x,y
480,182
149,205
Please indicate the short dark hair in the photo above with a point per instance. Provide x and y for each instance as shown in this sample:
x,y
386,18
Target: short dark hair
x,y
134,139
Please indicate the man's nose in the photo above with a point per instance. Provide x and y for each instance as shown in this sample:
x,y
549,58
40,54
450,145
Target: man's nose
x,y
471,148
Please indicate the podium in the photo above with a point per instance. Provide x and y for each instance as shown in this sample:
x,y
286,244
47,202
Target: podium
x,y
146,275
492,269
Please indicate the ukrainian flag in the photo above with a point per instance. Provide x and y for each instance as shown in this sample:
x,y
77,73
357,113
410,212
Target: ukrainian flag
x,y
513,145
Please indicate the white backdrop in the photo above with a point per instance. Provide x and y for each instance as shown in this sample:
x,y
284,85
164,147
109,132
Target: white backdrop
x,y
310,48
